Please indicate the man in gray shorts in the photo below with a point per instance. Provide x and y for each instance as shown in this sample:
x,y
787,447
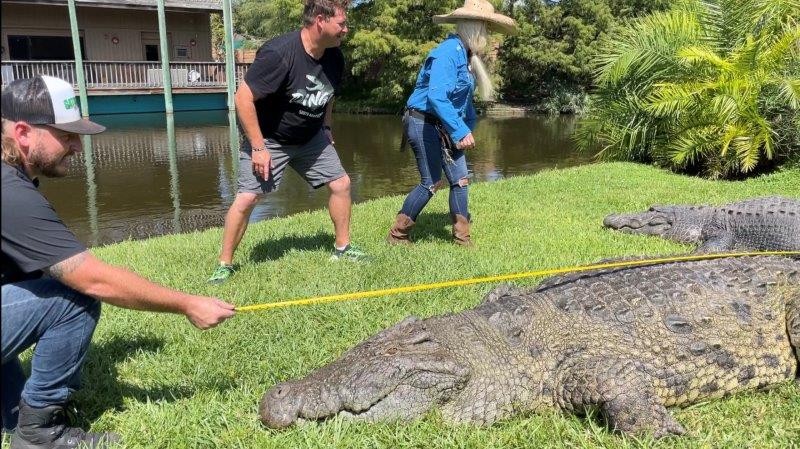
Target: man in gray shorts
x,y
316,161
284,107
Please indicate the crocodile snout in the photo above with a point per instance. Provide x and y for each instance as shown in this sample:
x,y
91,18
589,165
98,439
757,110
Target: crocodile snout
x,y
617,221
280,406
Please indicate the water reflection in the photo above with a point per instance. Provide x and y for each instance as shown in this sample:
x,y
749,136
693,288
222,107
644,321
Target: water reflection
x,y
91,190
150,175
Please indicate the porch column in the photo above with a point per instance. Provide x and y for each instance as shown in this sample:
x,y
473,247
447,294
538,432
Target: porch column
x,y
230,64
162,34
76,49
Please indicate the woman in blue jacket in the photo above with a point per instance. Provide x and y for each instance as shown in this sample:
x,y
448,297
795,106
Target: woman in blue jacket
x,y
440,115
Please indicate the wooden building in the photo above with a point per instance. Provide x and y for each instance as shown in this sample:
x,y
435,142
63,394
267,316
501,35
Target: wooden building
x,y
121,49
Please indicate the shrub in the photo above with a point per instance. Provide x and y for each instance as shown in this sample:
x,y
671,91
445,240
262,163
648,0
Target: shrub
x,y
710,87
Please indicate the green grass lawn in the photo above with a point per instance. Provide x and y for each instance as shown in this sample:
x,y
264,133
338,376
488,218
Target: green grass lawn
x,y
163,384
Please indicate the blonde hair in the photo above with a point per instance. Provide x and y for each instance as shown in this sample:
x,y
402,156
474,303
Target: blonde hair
x,y
476,36
11,152
474,33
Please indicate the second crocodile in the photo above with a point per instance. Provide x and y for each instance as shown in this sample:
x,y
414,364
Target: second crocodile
x,y
768,223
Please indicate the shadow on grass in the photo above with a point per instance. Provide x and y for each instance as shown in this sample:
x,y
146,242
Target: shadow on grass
x,y
432,226
102,389
275,249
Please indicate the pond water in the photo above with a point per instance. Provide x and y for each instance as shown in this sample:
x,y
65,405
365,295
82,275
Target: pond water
x,y
147,175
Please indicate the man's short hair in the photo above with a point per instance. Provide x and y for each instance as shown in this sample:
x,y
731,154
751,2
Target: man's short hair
x,y
326,8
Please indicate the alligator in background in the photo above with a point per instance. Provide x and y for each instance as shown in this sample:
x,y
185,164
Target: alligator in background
x,y
629,343
769,223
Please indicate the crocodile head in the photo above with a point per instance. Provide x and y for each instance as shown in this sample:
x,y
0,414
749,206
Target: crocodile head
x,y
397,374
680,223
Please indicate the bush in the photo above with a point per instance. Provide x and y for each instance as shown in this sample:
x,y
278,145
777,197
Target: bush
x,y
709,87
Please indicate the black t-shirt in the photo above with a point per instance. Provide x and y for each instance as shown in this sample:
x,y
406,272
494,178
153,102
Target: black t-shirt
x,y
291,88
33,237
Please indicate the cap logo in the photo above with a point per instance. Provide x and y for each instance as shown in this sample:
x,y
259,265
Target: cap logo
x,y
70,103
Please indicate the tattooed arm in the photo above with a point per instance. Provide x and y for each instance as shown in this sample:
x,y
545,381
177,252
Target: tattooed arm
x,y
123,288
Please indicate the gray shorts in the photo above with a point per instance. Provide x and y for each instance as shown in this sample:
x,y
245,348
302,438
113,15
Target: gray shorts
x,y
316,161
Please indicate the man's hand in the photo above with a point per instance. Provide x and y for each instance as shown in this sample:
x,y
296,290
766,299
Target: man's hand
x,y
206,313
467,143
261,164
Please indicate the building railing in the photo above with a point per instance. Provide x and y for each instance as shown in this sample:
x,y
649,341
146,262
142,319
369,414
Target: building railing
x,y
211,5
125,75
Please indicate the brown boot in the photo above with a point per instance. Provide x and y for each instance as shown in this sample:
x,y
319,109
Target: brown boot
x,y
461,230
398,235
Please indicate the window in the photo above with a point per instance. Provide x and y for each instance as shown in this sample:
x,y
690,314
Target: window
x,y
151,52
181,52
42,48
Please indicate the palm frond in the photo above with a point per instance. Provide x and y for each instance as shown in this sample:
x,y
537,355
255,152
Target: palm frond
x,y
703,55
785,45
725,108
700,87
646,48
731,132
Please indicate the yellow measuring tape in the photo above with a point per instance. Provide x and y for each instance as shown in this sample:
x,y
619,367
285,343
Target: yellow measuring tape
x,y
502,277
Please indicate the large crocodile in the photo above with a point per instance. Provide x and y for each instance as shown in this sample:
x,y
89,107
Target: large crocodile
x,y
768,223
629,342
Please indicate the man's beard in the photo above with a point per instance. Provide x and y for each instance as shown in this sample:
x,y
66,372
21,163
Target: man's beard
x,y
49,165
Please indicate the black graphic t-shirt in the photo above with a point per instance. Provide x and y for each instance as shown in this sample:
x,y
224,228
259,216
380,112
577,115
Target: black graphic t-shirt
x,y
291,88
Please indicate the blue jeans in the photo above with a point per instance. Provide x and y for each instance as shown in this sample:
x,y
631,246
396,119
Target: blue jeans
x,y
60,321
424,140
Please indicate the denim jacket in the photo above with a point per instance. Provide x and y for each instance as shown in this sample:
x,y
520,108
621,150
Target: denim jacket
x,y
445,87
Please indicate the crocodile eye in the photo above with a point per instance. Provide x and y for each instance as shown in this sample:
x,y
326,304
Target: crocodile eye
x,y
280,392
391,351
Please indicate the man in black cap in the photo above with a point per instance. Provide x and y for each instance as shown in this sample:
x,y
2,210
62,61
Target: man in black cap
x,y
51,284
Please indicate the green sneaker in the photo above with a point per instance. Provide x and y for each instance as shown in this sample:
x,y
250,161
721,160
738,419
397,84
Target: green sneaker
x,y
221,274
350,252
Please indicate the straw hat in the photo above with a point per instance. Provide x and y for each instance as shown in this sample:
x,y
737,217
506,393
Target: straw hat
x,y
480,10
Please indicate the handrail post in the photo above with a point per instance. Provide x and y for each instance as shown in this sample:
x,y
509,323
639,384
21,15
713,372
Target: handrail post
x,y
162,34
230,65
76,49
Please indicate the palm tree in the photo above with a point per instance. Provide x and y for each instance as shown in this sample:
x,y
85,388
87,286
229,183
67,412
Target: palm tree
x,y
709,86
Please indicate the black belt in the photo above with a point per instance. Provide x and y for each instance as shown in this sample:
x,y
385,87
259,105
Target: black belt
x,y
428,118
447,143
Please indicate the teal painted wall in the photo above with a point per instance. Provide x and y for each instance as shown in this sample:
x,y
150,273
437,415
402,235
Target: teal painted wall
x,y
126,104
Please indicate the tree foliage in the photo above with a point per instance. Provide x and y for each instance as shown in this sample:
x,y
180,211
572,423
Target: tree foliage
x,y
388,42
709,86
267,18
549,61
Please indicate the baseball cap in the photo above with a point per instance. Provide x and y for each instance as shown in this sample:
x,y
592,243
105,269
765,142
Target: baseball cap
x,y
45,100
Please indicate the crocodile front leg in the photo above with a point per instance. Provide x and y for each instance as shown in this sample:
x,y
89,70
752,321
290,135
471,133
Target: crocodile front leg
x,y
622,392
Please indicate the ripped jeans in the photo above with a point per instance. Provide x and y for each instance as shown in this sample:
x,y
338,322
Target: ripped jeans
x,y
424,140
